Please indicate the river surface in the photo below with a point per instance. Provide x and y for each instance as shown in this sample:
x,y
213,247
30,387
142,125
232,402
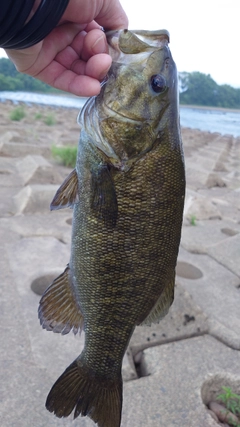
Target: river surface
x,y
207,119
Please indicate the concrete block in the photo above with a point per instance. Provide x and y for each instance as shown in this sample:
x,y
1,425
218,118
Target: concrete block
x,y
184,320
52,224
34,198
200,207
171,393
227,253
215,180
195,177
9,136
204,234
226,199
216,293
35,169
16,149
9,176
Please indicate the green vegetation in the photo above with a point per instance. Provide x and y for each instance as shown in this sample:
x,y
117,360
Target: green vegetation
x,y
66,155
200,89
38,116
17,114
50,120
195,88
11,79
231,402
193,220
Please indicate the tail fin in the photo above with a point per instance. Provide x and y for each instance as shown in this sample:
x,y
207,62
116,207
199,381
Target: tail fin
x,y
96,396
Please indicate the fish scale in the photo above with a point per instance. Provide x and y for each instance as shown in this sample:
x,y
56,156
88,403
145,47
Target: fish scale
x,y
127,193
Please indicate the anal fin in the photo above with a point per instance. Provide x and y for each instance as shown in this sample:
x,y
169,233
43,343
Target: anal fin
x,y
162,305
67,194
58,310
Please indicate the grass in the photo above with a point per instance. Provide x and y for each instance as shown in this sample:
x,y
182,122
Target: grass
x,y
66,155
38,116
17,114
193,220
232,403
50,120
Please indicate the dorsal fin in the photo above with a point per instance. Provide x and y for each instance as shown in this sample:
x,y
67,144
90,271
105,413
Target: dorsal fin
x,y
67,194
58,310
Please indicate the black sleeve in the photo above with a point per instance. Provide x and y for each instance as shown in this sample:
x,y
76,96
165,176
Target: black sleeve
x,y
15,34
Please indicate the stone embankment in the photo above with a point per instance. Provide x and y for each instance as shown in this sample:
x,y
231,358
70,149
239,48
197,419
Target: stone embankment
x,y
172,370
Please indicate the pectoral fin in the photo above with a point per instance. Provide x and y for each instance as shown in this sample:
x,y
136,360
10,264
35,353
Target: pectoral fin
x,y
104,199
162,305
58,310
67,194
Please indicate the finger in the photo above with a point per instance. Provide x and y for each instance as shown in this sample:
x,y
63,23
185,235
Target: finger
x,y
78,85
57,76
107,13
112,16
96,67
94,42
93,26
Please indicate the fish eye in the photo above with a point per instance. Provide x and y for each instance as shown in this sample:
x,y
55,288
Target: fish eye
x,y
158,83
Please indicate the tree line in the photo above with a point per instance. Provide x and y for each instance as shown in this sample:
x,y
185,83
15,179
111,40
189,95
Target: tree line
x,y
195,88
200,89
12,80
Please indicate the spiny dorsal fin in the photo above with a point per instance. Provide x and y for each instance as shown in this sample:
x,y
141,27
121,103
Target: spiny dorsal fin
x,y
58,310
162,305
67,194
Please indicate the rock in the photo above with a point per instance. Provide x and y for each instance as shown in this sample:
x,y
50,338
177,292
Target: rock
x,y
222,413
213,415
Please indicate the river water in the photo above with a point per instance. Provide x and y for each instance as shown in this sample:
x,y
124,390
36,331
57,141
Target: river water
x,y
207,119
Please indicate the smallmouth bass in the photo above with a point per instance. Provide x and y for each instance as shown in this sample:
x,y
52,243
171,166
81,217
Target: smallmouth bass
x,y
127,194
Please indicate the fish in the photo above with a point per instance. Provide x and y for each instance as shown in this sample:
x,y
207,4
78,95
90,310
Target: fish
x,y
127,195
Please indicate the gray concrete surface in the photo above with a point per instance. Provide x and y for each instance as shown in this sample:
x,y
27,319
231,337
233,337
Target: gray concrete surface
x,y
198,339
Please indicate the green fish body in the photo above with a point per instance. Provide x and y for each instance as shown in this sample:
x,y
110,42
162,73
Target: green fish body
x,y
127,192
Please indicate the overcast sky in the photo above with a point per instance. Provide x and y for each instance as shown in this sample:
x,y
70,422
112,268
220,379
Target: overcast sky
x,y
204,34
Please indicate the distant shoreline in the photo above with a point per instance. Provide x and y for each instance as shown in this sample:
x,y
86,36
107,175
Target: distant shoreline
x,y
205,107
80,101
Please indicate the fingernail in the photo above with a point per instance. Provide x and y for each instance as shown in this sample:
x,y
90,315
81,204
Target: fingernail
x,y
100,45
103,75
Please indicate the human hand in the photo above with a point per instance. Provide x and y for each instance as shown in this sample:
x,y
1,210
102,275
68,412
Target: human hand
x,y
74,56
